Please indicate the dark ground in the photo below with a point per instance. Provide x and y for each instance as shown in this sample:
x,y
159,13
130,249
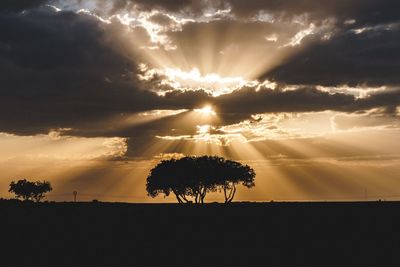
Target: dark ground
x,y
240,234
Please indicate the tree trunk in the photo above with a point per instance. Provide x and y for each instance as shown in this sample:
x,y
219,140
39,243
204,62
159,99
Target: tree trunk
x,y
226,197
185,199
177,196
203,194
231,194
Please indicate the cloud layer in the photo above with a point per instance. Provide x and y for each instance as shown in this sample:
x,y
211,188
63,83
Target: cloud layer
x,y
76,65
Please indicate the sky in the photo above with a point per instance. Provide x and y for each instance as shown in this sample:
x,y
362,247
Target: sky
x,y
93,94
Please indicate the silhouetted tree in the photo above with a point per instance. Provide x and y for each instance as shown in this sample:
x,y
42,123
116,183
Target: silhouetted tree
x,y
235,173
193,177
30,190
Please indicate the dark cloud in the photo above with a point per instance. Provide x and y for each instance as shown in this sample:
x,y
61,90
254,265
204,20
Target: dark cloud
x,y
56,67
371,57
69,70
373,118
19,5
249,101
59,71
363,11
241,104
194,6
388,100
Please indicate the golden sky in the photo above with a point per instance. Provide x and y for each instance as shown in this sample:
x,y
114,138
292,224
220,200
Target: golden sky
x,y
93,94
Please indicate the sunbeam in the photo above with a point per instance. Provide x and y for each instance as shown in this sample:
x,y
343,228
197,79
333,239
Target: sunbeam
x,y
95,93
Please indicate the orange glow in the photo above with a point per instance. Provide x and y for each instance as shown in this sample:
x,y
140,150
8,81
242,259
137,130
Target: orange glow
x,y
286,169
107,154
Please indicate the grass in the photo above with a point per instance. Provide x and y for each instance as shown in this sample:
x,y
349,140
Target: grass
x,y
239,234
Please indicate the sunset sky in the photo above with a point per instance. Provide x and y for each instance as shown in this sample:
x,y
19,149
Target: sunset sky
x,y
93,94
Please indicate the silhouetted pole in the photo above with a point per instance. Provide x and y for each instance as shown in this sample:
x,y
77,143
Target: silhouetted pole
x,y
75,194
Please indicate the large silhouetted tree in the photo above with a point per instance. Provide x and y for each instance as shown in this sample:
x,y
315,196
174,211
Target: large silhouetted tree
x,y
191,178
27,190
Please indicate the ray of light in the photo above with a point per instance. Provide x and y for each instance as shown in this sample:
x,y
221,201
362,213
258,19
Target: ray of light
x,y
54,145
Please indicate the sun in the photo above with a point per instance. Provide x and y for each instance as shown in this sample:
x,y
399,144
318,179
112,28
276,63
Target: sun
x,y
206,111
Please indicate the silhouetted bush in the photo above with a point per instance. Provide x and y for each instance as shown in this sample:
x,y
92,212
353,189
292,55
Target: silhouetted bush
x,y
196,176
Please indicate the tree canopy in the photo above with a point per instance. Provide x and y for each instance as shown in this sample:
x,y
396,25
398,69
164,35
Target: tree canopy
x,y
28,190
191,178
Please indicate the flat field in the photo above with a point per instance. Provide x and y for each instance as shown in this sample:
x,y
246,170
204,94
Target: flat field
x,y
239,234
